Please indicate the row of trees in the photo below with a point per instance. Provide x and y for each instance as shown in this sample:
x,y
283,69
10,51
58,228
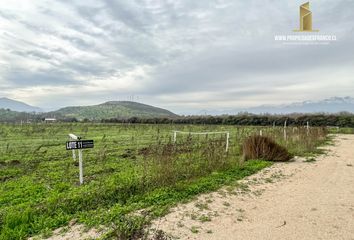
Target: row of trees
x,y
340,120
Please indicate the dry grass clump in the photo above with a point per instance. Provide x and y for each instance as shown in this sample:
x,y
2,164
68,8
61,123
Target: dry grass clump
x,y
259,147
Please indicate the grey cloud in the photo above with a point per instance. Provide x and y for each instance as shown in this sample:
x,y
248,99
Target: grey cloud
x,y
131,14
336,12
75,66
24,78
33,53
129,40
85,67
220,68
77,42
6,15
225,48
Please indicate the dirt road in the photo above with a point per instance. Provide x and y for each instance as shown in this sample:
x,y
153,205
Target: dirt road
x,y
311,199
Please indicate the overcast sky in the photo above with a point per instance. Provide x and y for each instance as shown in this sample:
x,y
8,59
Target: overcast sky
x,y
185,56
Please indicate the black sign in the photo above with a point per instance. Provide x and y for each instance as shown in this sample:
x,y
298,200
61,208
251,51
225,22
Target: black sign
x,y
79,144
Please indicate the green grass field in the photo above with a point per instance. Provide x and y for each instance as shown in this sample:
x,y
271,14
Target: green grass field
x,y
131,167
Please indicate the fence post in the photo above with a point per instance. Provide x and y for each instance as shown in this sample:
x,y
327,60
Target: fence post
x,y
174,136
285,138
227,141
260,133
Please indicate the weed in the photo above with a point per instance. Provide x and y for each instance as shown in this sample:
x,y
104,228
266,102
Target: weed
x,y
309,160
222,193
230,189
194,229
160,235
202,206
125,227
243,187
268,180
194,216
204,218
258,192
240,210
180,224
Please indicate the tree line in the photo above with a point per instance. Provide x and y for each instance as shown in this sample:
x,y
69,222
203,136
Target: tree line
x,y
343,119
337,120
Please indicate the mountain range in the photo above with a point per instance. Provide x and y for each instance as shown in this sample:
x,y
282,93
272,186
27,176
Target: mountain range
x,y
330,105
17,106
10,109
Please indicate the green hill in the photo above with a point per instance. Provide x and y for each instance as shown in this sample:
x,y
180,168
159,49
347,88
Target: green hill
x,y
113,109
6,115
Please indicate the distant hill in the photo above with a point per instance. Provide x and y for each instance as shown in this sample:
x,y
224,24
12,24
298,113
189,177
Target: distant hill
x,y
330,105
113,109
18,106
6,115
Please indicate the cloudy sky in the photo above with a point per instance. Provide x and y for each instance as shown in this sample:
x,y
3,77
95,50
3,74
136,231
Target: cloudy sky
x,y
182,55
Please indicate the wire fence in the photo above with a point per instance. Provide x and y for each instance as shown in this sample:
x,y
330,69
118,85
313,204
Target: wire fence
x,y
25,142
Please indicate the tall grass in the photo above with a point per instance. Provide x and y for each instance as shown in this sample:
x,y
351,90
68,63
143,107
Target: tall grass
x,y
260,147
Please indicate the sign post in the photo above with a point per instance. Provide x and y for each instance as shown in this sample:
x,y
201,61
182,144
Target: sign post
x,y
73,137
76,143
81,174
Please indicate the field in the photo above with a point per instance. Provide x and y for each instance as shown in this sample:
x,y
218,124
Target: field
x,y
131,168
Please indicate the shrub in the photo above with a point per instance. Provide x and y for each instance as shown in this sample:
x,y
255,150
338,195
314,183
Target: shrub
x,y
259,147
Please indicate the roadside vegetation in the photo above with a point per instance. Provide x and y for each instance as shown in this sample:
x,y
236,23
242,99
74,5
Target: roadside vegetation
x,y
134,168
335,130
